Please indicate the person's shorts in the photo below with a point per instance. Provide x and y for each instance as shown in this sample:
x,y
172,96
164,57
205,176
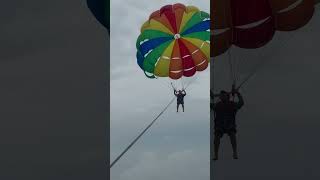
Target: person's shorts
x,y
178,103
221,131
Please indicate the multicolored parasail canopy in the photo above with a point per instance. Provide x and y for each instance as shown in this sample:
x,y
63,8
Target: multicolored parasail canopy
x,y
252,23
174,42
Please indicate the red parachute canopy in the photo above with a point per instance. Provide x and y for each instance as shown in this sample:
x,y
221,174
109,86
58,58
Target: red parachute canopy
x,y
252,23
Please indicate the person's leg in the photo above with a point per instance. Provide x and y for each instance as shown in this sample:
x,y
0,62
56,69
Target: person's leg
x,y
217,137
178,107
233,140
182,107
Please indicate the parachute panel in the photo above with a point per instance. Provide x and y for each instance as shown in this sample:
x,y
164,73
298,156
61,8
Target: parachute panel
x,y
152,58
221,42
293,16
179,15
254,37
199,59
176,68
148,35
245,12
202,45
162,66
155,25
187,61
221,14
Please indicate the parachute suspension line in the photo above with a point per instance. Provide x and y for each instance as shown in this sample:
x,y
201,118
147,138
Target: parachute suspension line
x,y
260,65
231,67
170,85
182,85
173,85
230,57
234,71
236,61
165,84
190,82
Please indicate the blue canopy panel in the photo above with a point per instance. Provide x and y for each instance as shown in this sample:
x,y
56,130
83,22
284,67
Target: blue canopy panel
x,y
153,43
202,26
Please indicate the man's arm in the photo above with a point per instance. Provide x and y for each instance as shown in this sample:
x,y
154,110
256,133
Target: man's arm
x,y
184,92
175,92
240,103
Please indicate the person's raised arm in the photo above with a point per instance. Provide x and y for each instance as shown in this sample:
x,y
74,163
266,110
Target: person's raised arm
x,y
240,103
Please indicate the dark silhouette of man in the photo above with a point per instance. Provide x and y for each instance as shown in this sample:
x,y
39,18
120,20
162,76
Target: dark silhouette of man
x,y
225,112
180,96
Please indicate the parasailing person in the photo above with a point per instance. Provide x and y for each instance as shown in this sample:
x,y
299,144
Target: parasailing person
x,y
225,111
180,94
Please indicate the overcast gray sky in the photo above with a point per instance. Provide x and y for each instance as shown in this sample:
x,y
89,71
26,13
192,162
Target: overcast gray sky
x,y
177,146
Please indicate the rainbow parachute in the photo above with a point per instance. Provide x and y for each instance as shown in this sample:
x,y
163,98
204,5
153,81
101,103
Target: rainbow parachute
x,y
174,42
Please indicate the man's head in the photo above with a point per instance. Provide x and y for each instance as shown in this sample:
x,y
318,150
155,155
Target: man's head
x,y
180,92
224,96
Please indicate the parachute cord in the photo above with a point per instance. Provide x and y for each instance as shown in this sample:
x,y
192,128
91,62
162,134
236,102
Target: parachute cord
x,y
232,71
232,74
283,44
190,82
139,136
166,84
182,85
172,86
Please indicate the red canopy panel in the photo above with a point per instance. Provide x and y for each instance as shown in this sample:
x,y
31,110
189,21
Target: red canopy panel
x,y
168,11
292,14
249,11
189,68
252,23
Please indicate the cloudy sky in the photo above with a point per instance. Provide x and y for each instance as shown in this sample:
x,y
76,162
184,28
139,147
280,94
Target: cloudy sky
x,y
177,146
